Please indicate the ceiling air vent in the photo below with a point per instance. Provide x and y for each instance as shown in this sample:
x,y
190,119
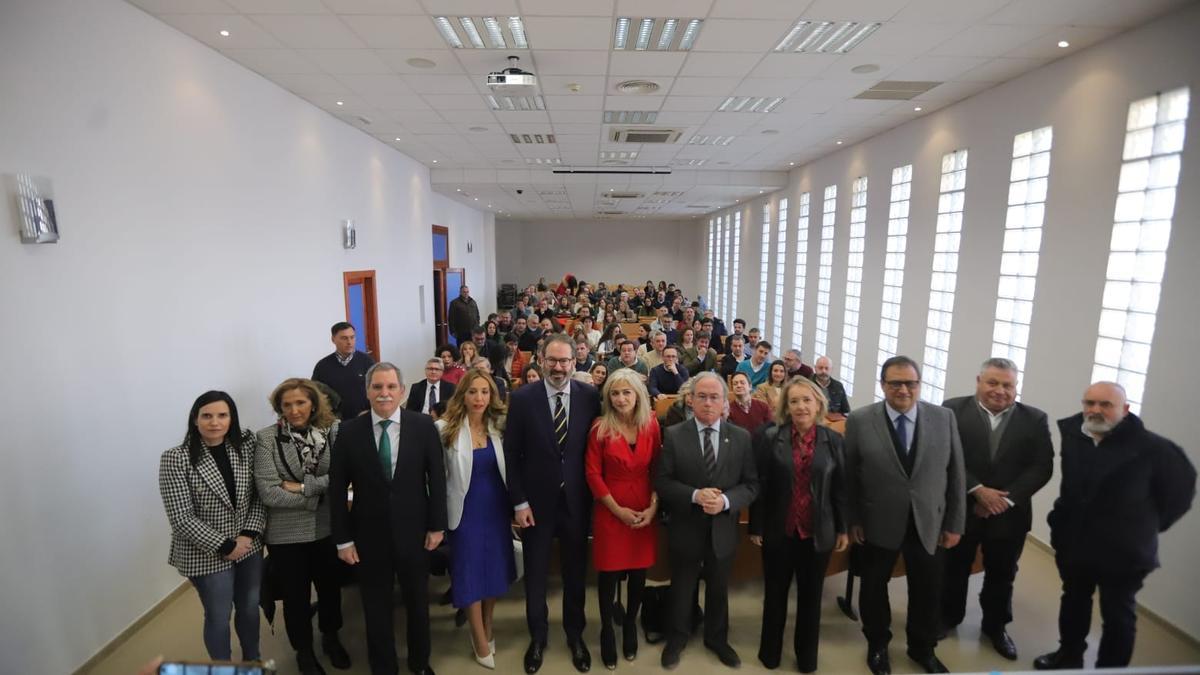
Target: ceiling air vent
x,y
623,195
610,213
897,90
645,135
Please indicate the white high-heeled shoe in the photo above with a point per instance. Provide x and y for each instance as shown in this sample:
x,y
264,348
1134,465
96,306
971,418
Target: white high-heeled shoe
x,y
488,661
492,645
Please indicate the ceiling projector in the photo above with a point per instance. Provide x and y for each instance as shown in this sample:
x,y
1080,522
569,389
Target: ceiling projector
x,y
512,81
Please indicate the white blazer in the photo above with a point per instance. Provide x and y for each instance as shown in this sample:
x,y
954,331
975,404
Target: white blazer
x,y
459,461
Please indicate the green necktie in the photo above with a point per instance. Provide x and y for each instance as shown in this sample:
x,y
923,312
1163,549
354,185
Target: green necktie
x,y
385,449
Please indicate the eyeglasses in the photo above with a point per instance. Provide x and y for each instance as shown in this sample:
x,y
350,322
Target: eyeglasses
x,y
709,398
897,385
560,362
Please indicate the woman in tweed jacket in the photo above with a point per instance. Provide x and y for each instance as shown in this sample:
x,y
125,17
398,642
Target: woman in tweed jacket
x,y
207,487
291,468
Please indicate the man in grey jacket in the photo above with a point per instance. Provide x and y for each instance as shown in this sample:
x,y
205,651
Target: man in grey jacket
x,y
906,496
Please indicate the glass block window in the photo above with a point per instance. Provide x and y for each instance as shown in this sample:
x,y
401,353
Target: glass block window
x,y
764,267
1022,244
945,274
724,291
1154,135
854,270
737,262
825,271
712,263
893,268
780,256
801,272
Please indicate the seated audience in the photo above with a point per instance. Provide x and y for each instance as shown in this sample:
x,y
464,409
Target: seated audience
x,y
651,353
739,329
583,356
700,358
734,357
532,373
526,338
452,372
627,358
607,346
752,338
795,366
745,411
756,366
484,365
589,332
835,393
427,392
514,358
666,378
599,374
768,392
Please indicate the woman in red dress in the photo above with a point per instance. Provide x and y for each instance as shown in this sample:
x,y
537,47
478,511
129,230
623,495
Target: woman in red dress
x,y
622,447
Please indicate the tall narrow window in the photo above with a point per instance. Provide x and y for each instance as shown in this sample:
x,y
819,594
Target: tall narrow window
x,y
945,274
712,263
780,256
801,272
725,268
825,271
854,270
893,268
764,267
1022,243
1141,233
737,262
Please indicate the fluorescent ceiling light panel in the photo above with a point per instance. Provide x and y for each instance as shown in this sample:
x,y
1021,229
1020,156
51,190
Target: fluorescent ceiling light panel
x,y
688,162
543,160
825,37
655,34
530,139
710,140
630,116
759,104
463,31
622,154
515,103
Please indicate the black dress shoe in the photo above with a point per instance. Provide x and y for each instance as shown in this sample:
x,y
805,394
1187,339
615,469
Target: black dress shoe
x,y
725,653
1003,644
332,646
307,663
629,640
581,658
1057,661
670,655
424,671
877,661
928,662
533,657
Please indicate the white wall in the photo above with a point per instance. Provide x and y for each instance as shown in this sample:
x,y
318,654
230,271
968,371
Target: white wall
x,y
1085,97
199,207
600,250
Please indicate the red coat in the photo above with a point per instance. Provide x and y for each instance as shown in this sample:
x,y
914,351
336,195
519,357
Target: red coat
x,y
612,468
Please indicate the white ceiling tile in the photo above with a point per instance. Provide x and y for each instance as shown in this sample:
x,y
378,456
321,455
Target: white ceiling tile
x,y
681,119
399,102
728,123
949,12
272,61
761,9
579,129
633,102
567,8
645,63
444,60
953,91
739,35
279,6
395,32
575,116
455,101
551,62
665,8
904,39
770,86
704,86
347,61
793,65
207,28
853,10
184,6
936,68
507,117
310,31
428,128
471,7
310,83
574,102
988,40
692,103
718,64
407,117
470,117
374,6
1047,47
545,32
1124,14
558,84
1041,13
375,84
439,84
842,68
1002,70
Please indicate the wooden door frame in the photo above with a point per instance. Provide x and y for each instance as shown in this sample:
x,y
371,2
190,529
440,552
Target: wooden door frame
x,y
370,307
441,327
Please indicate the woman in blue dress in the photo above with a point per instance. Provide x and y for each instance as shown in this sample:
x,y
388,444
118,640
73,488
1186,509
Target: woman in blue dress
x,y
482,565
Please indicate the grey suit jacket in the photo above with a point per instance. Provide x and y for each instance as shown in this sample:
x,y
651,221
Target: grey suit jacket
x,y
291,518
881,494
681,471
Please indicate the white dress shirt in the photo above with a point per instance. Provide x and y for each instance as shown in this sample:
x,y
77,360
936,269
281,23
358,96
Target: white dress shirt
x,y
437,395
911,416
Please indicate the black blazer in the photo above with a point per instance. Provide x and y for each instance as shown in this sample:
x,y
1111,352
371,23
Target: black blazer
x,y
389,515
776,482
1023,464
420,391
535,469
681,471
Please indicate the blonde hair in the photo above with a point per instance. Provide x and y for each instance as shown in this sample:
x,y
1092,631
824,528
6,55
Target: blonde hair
x,y
321,416
608,425
781,411
462,359
456,408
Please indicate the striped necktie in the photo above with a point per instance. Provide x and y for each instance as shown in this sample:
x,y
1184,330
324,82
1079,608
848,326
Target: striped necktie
x,y
560,423
710,456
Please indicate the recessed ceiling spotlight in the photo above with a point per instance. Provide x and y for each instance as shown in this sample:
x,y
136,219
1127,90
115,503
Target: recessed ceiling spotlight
x,y
791,164
917,109
340,103
1063,44
435,161
839,142
224,33
397,139
760,192
864,69
477,199
418,62
458,189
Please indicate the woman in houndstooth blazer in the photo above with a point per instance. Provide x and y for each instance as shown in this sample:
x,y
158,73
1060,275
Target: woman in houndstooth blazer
x,y
291,469
216,518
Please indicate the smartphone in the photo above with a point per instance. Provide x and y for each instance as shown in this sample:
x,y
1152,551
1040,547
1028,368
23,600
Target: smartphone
x,y
213,668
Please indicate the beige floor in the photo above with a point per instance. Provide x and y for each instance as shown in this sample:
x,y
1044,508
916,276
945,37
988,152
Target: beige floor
x,y
176,633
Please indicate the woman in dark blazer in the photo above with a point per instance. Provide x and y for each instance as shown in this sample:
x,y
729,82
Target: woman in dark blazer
x,y
291,469
798,518
207,487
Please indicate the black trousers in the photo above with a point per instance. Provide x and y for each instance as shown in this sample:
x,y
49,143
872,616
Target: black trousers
x,y
572,550
1000,556
1117,610
685,574
781,561
924,575
300,567
377,582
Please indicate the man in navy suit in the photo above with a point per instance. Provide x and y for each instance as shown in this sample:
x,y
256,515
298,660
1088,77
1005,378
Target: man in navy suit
x,y
431,390
544,445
